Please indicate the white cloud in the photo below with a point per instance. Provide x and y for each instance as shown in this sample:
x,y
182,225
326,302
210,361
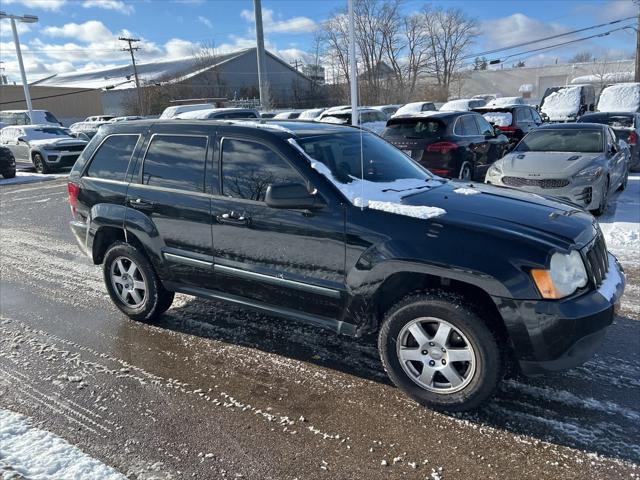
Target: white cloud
x,y
90,31
271,25
611,10
5,28
116,5
178,48
41,4
517,28
205,21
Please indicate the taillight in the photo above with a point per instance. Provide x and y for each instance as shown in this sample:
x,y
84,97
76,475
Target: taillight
x,y
633,138
442,147
507,128
441,172
74,190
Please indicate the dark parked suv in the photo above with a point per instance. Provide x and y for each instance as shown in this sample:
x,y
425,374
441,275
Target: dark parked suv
x,y
513,121
334,226
450,144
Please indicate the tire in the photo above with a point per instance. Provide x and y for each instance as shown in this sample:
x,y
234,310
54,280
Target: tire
x,y
479,377
9,173
466,171
137,292
40,164
603,201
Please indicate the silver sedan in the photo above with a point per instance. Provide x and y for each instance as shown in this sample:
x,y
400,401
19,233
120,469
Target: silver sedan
x,y
582,163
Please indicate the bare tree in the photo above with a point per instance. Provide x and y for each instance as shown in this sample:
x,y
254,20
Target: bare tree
x,y
450,33
581,57
603,71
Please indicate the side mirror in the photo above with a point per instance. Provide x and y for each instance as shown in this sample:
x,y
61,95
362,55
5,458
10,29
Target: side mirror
x,y
20,139
291,195
496,131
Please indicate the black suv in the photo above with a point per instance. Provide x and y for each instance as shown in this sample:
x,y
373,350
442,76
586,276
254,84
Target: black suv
x,y
334,226
514,121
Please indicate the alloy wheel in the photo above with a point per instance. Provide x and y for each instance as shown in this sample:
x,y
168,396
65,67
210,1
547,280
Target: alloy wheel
x,y
436,355
465,172
129,282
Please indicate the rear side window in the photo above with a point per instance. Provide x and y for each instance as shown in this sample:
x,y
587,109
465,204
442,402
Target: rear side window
x,y
248,168
413,128
111,160
175,161
466,126
485,127
522,115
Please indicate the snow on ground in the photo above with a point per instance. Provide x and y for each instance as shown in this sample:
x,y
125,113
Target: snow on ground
x,y
28,177
500,119
559,105
623,97
28,452
621,227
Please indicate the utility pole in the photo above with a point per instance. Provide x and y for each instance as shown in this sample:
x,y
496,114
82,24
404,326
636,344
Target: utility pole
x,y
130,49
262,73
16,41
637,76
352,64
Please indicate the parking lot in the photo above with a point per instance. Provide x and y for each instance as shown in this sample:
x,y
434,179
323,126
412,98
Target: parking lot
x,y
213,391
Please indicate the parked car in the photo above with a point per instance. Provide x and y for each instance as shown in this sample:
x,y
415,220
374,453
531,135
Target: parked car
x,y
47,147
175,110
21,117
288,114
505,101
219,113
455,284
415,107
267,114
462,105
513,121
388,110
371,119
621,97
580,162
487,97
311,114
450,144
566,104
7,163
337,108
99,118
85,130
626,126
126,118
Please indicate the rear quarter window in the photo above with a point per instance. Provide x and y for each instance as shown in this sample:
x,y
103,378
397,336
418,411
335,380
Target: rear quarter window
x,y
111,159
176,161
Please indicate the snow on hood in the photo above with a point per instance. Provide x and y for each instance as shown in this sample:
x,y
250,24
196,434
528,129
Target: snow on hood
x,y
623,97
562,104
384,196
500,119
466,191
57,141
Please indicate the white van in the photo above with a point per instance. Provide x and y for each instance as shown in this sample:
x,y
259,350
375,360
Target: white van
x,y
171,112
21,117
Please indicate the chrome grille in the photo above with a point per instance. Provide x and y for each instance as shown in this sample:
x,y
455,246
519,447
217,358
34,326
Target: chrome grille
x,y
534,182
597,260
70,148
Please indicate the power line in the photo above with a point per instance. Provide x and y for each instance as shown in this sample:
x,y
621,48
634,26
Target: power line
x,y
531,42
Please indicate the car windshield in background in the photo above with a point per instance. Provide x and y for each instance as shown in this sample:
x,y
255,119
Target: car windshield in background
x,y
414,128
615,121
40,133
548,140
340,152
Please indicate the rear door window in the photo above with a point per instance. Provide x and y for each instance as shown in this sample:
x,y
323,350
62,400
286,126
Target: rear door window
x,y
466,126
484,126
176,161
111,160
522,115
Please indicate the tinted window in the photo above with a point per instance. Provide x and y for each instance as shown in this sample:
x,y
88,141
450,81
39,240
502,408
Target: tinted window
x,y
535,115
521,115
112,158
50,117
556,140
485,127
413,128
248,168
174,161
466,125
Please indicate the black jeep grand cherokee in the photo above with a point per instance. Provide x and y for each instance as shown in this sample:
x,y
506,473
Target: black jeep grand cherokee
x,y
336,227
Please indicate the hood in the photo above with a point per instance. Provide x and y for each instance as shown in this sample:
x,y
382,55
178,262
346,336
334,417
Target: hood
x,y
59,142
546,164
510,211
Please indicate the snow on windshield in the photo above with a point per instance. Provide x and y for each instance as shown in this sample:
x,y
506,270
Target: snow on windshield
x,y
623,97
499,119
563,103
384,196
44,133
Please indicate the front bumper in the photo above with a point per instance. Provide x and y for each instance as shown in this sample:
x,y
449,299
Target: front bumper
x,y
60,158
551,335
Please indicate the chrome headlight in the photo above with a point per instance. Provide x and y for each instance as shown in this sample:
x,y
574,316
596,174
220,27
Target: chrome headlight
x,y
495,170
589,173
565,275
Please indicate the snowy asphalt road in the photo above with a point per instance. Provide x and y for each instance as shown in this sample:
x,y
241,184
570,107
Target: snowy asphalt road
x,y
214,391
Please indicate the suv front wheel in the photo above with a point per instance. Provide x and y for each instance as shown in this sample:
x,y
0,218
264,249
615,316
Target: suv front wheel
x,y
132,283
439,352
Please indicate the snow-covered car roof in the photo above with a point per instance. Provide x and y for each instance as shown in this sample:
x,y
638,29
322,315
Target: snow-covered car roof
x,y
621,97
504,101
204,114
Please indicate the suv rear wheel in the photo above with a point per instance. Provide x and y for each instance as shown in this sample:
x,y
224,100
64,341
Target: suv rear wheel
x,y
133,284
439,352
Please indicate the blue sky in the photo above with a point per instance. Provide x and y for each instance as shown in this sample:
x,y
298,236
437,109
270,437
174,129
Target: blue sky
x,y
82,34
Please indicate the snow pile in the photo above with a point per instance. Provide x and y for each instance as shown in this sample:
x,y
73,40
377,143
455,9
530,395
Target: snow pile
x,y
384,196
466,191
623,97
500,119
409,109
28,177
562,104
35,453
504,101
621,227
526,88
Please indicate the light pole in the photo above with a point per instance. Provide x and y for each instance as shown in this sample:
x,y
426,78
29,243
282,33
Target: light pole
x,y
16,41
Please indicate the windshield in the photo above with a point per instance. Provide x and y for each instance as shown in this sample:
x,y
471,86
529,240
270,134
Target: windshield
x,y
574,140
40,133
340,153
413,128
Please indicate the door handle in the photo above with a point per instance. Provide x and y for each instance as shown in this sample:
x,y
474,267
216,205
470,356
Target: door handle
x,y
233,218
140,203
